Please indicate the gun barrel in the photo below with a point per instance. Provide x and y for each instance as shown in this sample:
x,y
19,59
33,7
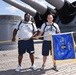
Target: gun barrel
x,y
40,7
22,7
57,3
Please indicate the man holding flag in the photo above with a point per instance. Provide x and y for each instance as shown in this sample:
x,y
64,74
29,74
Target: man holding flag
x,y
48,28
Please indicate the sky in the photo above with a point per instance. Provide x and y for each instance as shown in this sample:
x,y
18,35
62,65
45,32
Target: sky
x,y
7,9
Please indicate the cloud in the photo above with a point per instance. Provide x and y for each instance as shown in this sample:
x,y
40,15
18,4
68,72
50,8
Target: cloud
x,y
11,9
43,2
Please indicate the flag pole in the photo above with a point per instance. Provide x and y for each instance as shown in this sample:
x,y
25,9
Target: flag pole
x,y
33,37
7,41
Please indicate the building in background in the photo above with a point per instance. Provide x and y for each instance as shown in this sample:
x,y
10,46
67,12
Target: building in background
x,y
7,23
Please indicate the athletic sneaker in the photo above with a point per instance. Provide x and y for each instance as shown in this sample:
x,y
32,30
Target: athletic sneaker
x,y
42,68
18,68
33,67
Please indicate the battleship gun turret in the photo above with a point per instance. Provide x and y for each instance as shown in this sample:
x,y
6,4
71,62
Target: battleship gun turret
x,y
65,10
38,10
22,7
42,9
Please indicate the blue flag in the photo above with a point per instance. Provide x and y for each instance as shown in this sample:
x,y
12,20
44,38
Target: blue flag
x,y
63,46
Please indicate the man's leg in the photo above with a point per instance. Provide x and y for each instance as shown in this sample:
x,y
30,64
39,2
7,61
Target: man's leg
x,y
32,61
44,59
45,52
31,58
55,68
30,50
21,51
19,62
20,59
